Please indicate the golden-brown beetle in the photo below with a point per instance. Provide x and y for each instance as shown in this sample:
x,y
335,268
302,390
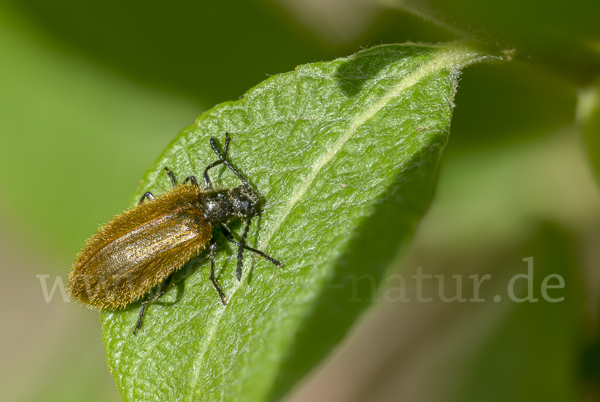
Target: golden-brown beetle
x,y
142,247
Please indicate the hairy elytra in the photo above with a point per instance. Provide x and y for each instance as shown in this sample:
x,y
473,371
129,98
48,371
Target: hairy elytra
x,y
144,246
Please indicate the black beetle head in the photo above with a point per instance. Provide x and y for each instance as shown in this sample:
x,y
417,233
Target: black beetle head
x,y
245,201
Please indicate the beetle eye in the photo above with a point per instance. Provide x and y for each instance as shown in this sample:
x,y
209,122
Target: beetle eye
x,y
245,206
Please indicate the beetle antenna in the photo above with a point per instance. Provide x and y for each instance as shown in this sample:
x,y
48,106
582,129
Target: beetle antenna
x,y
223,158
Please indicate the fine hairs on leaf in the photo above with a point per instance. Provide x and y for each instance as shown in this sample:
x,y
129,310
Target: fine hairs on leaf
x,y
345,156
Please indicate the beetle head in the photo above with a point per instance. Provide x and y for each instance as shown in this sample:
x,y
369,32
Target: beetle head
x,y
245,201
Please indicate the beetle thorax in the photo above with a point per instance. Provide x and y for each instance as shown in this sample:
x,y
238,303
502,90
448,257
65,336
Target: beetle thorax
x,y
224,206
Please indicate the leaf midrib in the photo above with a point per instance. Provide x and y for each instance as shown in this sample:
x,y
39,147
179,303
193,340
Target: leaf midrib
x,y
452,56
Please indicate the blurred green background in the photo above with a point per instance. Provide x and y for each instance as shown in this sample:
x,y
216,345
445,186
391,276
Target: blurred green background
x,y
91,92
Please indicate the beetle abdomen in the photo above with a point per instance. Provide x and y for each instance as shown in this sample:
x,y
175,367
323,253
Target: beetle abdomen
x,y
139,249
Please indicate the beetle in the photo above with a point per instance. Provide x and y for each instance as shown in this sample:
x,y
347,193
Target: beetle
x,y
144,246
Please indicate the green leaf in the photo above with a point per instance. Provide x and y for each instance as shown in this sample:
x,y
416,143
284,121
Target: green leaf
x,y
534,350
48,98
588,119
563,39
144,38
345,154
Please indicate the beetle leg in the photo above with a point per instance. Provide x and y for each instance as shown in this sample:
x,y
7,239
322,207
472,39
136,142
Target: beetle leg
x,y
162,291
213,249
147,195
192,179
207,182
171,176
223,158
230,238
139,322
